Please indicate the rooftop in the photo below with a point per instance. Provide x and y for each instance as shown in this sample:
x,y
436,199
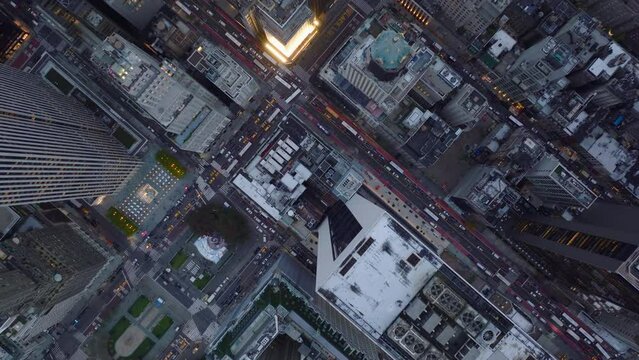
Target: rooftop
x,y
390,51
501,42
431,137
281,172
616,57
8,219
223,71
609,153
139,13
282,11
487,189
378,281
573,185
389,284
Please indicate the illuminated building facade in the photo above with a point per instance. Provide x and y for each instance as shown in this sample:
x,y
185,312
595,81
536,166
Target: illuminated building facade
x,y
285,27
603,237
416,10
13,35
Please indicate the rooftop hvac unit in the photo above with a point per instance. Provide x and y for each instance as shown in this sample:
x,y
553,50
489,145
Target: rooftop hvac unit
x,y
489,335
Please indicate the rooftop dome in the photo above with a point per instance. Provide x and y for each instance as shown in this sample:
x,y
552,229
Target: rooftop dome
x,y
390,51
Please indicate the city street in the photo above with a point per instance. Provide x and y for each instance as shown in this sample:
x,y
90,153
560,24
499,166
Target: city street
x,y
212,289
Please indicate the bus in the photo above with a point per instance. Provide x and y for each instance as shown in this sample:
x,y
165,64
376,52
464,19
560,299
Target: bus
x,y
515,121
602,351
586,335
349,128
211,297
293,96
233,39
569,319
573,335
273,115
282,81
269,58
557,320
245,148
186,10
397,167
259,65
431,214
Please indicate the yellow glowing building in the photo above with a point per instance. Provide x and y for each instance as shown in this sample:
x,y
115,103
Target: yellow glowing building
x,y
286,27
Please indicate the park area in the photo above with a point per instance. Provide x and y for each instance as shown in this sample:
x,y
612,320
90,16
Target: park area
x,y
179,259
171,164
162,326
202,280
128,341
139,305
121,221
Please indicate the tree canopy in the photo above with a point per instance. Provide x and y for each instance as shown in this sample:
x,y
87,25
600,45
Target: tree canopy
x,y
213,219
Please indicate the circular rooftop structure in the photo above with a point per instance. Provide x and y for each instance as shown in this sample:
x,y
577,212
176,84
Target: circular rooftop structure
x,y
390,51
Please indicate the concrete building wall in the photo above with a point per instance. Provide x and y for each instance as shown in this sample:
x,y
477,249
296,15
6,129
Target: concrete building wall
x,y
51,147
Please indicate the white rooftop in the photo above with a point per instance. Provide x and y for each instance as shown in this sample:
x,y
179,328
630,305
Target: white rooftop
x,y
609,153
616,59
377,287
503,43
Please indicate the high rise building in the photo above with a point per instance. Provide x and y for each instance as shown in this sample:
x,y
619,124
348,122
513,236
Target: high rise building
x,y
485,191
603,237
43,267
51,147
164,93
465,108
558,186
473,16
618,15
403,297
13,34
224,72
542,68
377,67
285,27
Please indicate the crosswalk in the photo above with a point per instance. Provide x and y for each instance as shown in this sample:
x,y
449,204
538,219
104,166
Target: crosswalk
x,y
131,270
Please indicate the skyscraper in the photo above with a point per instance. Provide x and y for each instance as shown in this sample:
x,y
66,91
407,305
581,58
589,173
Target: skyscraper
x,y
558,186
43,267
601,239
410,305
465,108
51,147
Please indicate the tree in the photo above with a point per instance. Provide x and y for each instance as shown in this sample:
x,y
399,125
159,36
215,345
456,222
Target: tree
x,y
213,219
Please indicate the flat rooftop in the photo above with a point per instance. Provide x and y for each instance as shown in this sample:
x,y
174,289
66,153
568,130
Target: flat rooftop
x,y
378,284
